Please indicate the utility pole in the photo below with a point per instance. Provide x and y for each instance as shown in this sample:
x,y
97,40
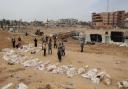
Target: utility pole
x,y
108,7
108,10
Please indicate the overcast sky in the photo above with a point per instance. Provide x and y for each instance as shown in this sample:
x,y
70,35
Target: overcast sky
x,y
29,10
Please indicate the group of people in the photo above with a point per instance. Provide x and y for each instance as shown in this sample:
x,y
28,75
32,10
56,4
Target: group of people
x,y
16,43
47,44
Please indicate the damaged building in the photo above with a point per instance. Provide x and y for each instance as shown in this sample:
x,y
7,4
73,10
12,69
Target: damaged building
x,y
105,36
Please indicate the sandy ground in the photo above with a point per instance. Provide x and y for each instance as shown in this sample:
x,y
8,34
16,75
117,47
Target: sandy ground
x,y
104,57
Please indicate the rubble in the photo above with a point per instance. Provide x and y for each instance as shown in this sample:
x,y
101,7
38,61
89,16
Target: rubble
x,y
107,81
17,57
48,86
26,48
81,70
22,86
41,66
31,63
12,57
51,67
90,74
7,86
30,48
123,84
68,86
96,77
123,45
71,72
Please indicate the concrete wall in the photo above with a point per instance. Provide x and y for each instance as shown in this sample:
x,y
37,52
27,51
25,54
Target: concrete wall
x,y
106,38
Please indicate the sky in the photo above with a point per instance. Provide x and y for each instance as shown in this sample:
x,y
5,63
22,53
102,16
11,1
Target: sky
x,y
30,10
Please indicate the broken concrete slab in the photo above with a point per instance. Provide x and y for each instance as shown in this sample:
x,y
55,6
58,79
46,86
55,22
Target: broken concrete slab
x,y
123,84
68,86
96,77
82,70
7,86
21,86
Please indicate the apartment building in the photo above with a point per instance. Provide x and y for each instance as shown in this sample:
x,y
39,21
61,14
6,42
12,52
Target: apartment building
x,y
68,21
109,19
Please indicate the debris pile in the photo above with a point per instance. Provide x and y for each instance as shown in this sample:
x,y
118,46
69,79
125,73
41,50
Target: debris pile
x,y
123,84
22,86
12,57
82,70
19,86
96,77
31,63
68,86
7,86
18,57
123,45
30,48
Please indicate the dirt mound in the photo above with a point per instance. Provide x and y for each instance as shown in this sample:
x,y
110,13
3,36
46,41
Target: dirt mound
x,y
5,39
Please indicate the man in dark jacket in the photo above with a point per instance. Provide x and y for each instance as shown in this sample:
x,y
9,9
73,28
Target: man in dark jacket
x,y
59,53
13,42
50,47
35,41
63,49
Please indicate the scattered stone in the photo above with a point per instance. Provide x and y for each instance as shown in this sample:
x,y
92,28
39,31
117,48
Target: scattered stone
x,y
7,86
81,70
48,86
33,52
17,57
123,84
96,77
68,86
22,86
123,45
71,72
107,80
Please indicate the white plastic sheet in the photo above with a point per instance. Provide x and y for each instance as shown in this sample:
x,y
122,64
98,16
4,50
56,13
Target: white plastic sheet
x,y
123,84
94,75
22,86
7,86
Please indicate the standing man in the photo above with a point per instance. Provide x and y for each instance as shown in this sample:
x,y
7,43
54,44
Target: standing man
x,y
35,41
13,42
55,42
50,46
82,45
19,42
59,54
63,49
26,34
46,39
44,48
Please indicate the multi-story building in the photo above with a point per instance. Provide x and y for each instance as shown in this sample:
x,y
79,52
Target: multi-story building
x,y
109,19
126,23
37,23
68,21
51,23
